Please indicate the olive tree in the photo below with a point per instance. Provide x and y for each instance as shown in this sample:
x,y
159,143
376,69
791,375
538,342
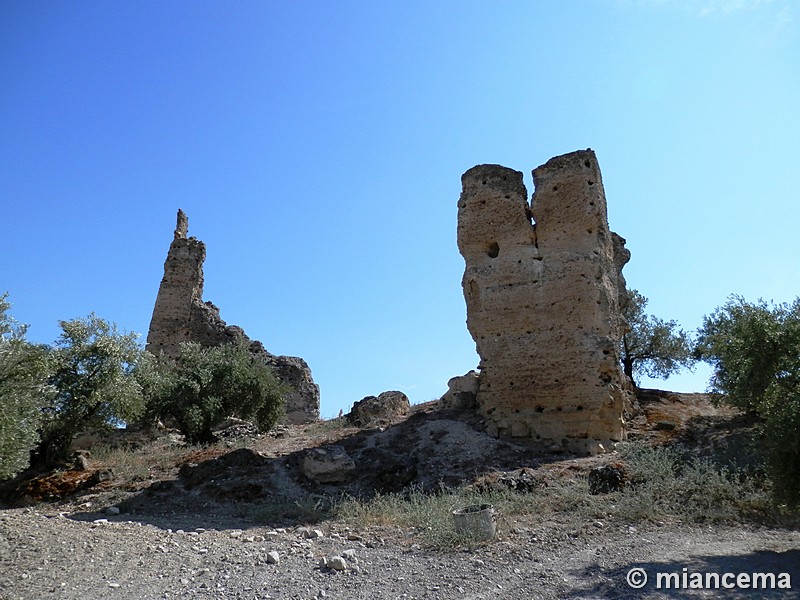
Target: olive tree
x,y
754,349
652,346
23,393
92,373
204,385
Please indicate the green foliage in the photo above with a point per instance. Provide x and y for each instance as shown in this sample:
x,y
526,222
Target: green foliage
x,y
755,352
653,347
206,385
91,370
23,393
664,484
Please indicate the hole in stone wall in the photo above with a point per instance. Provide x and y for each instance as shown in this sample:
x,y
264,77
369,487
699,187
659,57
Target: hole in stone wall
x,y
483,182
507,196
559,409
539,409
590,182
580,408
587,163
494,250
555,188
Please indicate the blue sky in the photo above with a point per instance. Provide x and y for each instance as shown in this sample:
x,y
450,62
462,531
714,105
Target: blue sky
x,y
317,148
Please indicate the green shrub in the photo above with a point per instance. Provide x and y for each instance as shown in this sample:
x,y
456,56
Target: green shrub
x,y
23,394
664,484
755,352
206,385
91,372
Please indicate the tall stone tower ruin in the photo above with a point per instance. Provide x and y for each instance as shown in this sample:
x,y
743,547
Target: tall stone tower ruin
x,y
180,315
543,286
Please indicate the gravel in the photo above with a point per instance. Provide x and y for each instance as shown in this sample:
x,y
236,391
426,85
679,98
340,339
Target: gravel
x,y
82,556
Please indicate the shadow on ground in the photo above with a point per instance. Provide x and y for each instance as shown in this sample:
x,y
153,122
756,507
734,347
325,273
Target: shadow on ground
x,y
680,579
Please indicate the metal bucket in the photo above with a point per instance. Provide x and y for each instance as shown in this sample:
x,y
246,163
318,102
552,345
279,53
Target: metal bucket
x,y
477,521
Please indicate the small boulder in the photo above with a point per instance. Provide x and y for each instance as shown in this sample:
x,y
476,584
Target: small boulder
x,y
337,563
664,426
81,460
273,558
376,409
330,464
313,534
462,391
606,479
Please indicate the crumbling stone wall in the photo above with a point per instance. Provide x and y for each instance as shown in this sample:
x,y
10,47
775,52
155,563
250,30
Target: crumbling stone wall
x,y
181,315
543,288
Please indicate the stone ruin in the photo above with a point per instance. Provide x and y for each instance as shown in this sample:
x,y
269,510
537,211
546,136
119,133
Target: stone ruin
x,y
544,289
181,315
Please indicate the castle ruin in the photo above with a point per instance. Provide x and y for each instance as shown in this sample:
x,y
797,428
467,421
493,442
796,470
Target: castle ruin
x,y
181,315
544,288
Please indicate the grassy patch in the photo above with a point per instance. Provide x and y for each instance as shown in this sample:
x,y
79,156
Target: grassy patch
x,y
665,485
430,513
662,486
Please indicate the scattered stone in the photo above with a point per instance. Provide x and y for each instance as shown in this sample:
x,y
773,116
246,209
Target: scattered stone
x,y
273,558
81,460
337,563
522,480
100,476
313,534
664,426
330,464
606,479
233,428
373,410
112,510
113,585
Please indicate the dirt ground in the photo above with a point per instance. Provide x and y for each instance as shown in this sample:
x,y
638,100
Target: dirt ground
x,y
184,529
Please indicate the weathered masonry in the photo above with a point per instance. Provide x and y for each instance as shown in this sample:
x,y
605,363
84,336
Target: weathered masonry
x,y
180,315
543,286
